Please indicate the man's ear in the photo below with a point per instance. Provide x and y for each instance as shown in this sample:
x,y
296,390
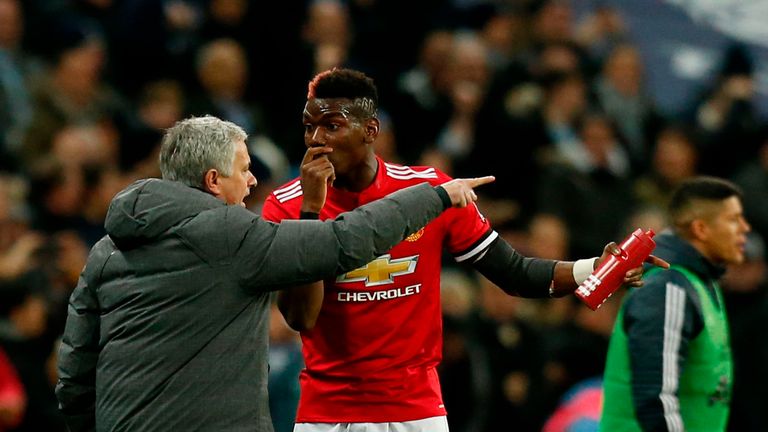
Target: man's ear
x,y
371,130
699,229
211,182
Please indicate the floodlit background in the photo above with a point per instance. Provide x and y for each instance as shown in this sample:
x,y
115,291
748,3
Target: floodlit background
x,y
587,112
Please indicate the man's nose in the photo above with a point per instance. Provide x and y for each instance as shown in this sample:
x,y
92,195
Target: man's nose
x,y
317,137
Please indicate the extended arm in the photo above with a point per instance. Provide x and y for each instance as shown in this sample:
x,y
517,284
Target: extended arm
x,y
298,252
514,273
536,278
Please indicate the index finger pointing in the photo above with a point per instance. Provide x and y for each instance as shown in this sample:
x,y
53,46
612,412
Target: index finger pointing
x,y
477,181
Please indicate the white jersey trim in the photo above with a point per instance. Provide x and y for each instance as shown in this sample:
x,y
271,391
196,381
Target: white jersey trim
x,y
674,312
479,248
400,172
288,192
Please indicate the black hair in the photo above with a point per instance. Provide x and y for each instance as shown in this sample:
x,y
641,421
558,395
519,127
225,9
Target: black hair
x,y
700,188
344,83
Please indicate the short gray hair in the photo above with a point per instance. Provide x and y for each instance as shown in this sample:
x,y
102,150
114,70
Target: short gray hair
x,y
196,144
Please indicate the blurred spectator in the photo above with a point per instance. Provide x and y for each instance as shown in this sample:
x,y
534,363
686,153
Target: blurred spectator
x,y
73,93
226,19
727,118
328,34
154,40
601,30
579,409
17,71
674,159
420,106
160,105
223,73
753,179
552,21
461,373
620,91
514,358
467,78
505,36
525,136
588,189
23,323
285,363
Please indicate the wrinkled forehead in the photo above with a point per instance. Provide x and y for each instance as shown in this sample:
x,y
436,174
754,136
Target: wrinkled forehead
x,y
361,108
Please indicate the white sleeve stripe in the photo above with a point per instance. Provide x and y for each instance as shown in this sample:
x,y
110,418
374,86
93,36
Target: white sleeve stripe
x,y
291,186
406,170
479,248
411,176
286,197
674,312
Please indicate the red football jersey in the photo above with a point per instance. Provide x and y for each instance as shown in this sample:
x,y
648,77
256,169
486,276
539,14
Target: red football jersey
x,y
373,352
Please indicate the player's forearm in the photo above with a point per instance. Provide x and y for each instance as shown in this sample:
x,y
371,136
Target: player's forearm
x,y
514,273
563,282
300,305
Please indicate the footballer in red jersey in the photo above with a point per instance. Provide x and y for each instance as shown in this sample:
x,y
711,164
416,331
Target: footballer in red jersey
x,y
381,322
372,337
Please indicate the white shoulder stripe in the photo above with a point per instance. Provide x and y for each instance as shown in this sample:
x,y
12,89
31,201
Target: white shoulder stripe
x,y
287,193
405,173
412,176
674,312
285,197
479,248
291,186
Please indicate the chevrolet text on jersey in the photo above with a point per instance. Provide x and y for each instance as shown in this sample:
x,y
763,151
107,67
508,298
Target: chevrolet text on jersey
x,y
363,296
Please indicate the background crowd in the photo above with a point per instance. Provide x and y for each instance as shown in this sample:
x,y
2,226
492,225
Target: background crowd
x,y
555,104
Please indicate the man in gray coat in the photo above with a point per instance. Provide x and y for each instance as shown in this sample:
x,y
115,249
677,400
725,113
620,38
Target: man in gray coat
x,y
167,327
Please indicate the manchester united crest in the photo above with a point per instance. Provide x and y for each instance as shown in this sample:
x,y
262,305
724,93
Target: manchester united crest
x,y
415,236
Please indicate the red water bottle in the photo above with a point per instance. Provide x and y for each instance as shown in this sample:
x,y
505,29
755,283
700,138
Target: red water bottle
x,y
608,277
